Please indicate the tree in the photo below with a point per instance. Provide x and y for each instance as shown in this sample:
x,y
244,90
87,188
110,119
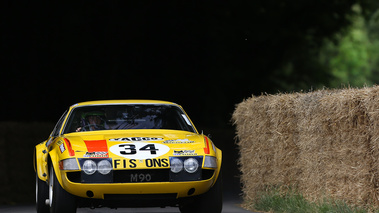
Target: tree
x,y
353,57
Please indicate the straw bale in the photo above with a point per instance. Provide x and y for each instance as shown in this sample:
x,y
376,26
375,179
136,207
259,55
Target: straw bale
x,y
311,145
371,101
345,135
324,142
255,147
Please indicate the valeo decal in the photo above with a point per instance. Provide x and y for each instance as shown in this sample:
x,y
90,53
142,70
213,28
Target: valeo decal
x,y
139,150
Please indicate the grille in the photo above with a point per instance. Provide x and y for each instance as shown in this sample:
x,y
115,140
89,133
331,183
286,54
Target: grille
x,y
137,175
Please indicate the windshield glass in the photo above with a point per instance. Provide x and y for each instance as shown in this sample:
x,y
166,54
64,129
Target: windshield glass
x,y
130,116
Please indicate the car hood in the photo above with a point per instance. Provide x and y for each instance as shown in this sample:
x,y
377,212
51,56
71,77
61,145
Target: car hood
x,y
136,144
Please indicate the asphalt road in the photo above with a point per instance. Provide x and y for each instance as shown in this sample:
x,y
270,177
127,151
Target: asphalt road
x,y
230,206
231,194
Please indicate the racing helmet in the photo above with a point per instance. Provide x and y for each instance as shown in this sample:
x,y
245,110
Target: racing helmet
x,y
87,115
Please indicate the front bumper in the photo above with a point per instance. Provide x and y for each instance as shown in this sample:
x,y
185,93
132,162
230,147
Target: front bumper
x,y
103,190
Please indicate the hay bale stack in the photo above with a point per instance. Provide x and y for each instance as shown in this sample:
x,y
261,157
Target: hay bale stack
x,y
371,101
258,154
311,161
283,127
324,142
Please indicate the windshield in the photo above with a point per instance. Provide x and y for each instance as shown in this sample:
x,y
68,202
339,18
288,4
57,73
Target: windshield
x,y
130,116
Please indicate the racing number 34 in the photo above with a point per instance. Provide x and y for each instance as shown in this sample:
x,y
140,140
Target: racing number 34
x,y
130,149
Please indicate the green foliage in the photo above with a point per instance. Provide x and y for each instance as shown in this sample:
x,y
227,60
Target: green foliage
x,y
275,200
344,50
373,35
353,56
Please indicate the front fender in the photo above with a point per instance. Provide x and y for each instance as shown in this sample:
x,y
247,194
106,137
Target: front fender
x,y
219,163
40,161
54,161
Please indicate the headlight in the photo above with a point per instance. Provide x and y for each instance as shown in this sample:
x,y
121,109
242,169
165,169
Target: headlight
x,y
210,162
176,165
68,164
104,167
191,165
89,167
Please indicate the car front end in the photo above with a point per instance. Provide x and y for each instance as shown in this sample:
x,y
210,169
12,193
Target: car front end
x,y
129,162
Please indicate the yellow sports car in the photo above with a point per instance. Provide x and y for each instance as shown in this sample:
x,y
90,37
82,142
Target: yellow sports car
x,y
127,153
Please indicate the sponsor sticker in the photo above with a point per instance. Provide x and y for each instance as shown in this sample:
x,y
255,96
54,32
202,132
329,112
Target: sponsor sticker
x,y
96,155
133,139
139,150
184,152
62,148
178,141
134,163
96,149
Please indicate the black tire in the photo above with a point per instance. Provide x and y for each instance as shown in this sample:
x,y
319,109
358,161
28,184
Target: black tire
x,y
60,200
42,193
209,202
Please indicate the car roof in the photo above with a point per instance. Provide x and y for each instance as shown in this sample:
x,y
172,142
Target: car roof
x,y
135,101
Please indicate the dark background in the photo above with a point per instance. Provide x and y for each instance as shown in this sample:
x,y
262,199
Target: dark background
x,y
206,56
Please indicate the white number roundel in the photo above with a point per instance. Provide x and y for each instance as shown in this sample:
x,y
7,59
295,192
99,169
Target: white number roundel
x,y
139,150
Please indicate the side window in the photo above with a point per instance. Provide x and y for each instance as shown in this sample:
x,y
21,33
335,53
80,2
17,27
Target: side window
x,y
58,125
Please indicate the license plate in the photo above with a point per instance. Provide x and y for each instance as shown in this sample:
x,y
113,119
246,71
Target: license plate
x,y
140,177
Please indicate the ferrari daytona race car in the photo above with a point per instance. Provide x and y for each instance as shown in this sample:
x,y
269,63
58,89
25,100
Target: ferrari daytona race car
x,y
127,153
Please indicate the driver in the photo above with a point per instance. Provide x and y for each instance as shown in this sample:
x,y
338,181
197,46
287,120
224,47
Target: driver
x,y
92,121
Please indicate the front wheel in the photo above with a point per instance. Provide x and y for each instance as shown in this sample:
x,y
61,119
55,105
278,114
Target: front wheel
x,y
60,200
42,194
209,202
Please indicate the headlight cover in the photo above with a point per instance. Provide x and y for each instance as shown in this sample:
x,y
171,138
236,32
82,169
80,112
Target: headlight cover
x,y
191,165
176,165
186,168
68,164
89,167
104,167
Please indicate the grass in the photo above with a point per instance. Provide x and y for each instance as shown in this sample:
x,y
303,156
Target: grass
x,y
275,200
